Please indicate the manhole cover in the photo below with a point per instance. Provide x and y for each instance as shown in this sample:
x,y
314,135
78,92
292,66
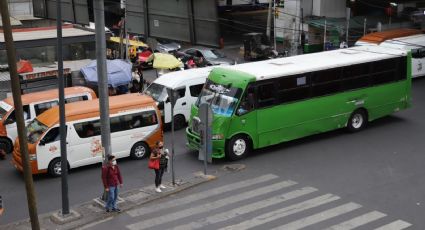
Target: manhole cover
x,y
234,167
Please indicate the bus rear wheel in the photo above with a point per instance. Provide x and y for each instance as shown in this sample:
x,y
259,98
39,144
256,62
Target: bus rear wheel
x,y
6,145
179,122
139,151
357,120
238,147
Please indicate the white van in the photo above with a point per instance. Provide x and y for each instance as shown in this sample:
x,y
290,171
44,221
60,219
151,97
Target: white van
x,y
188,84
135,128
401,39
34,104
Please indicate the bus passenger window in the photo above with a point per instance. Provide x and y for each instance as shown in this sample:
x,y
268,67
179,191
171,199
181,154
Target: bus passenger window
x,y
52,136
266,95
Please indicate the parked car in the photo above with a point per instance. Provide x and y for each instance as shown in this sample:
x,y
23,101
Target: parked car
x,y
211,56
167,46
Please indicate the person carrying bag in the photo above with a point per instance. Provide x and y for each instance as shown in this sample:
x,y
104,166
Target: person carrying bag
x,y
158,161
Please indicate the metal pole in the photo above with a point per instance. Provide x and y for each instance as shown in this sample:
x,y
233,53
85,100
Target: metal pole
x,y
364,26
16,91
274,26
62,126
99,16
324,37
269,20
172,139
348,25
125,32
206,143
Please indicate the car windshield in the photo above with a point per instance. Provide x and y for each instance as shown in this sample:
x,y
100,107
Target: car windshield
x,y
157,92
34,131
209,54
4,109
223,100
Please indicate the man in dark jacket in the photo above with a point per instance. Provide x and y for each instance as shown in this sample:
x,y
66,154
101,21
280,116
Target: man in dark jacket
x,y
111,177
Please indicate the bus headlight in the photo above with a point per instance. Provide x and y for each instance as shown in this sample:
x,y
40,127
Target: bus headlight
x,y
217,137
33,157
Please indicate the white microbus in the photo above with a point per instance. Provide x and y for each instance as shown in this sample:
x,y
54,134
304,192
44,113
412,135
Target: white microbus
x,y
135,127
402,39
188,84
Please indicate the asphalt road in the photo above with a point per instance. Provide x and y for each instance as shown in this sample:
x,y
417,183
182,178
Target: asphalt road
x,y
380,168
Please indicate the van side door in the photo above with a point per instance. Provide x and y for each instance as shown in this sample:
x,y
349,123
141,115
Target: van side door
x,y
48,148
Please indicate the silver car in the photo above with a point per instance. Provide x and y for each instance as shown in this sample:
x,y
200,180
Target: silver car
x,y
212,56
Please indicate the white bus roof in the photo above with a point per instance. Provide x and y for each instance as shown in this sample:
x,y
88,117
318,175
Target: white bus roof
x,y
406,43
316,61
173,79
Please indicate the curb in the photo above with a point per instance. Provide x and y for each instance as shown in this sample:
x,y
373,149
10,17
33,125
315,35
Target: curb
x,y
89,213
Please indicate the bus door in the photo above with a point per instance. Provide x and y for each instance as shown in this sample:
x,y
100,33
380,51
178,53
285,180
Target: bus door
x,y
245,118
48,148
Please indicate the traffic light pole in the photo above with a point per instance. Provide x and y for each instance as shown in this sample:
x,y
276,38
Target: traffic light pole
x,y
16,91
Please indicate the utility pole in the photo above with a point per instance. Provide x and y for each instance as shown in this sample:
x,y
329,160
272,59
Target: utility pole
x,y
16,91
347,24
125,31
105,130
62,126
269,20
324,36
364,26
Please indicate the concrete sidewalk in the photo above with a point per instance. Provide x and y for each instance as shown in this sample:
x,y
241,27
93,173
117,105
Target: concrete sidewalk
x,y
83,215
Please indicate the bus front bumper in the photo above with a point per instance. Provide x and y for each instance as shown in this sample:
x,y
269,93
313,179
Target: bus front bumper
x,y
193,143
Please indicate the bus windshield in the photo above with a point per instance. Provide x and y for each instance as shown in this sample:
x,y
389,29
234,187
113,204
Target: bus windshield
x,y
34,130
223,100
157,92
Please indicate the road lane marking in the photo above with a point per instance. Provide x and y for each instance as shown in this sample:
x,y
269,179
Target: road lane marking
x,y
209,206
396,225
201,195
358,221
224,216
319,217
95,223
283,212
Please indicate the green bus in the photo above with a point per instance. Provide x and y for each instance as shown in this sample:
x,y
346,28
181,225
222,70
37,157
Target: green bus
x,y
264,103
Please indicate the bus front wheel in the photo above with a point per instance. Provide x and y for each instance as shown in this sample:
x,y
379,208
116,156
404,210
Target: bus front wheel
x,y
55,168
238,147
357,121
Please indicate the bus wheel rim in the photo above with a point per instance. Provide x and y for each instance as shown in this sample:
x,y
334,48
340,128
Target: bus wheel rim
x,y
357,121
239,147
57,169
139,151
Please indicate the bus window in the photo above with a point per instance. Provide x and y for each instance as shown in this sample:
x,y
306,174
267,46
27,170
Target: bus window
x,y
88,129
40,108
247,103
266,95
418,53
77,98
52,136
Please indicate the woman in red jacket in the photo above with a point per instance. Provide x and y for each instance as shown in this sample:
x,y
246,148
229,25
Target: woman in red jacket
x,y
111,178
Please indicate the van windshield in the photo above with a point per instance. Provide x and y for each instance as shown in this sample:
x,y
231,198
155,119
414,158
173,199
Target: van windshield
x,y
4,108
157,92
34,131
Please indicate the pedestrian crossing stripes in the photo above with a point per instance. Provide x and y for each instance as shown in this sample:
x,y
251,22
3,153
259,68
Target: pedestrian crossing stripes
x,y
287,206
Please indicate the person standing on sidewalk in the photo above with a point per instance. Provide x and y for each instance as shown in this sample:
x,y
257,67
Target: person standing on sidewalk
x,y
111,177
159,153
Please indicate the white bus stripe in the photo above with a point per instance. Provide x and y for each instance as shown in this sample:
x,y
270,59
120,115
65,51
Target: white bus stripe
x,y
209,206
358,221
224,216
396,225
319,217
201,195
283,212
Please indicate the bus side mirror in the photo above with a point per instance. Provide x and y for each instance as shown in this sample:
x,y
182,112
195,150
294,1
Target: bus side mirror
x,y
167,100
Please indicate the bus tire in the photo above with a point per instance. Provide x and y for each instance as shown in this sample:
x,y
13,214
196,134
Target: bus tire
x,y
139,151
179,122
357,120
6,145
238,147
55,167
